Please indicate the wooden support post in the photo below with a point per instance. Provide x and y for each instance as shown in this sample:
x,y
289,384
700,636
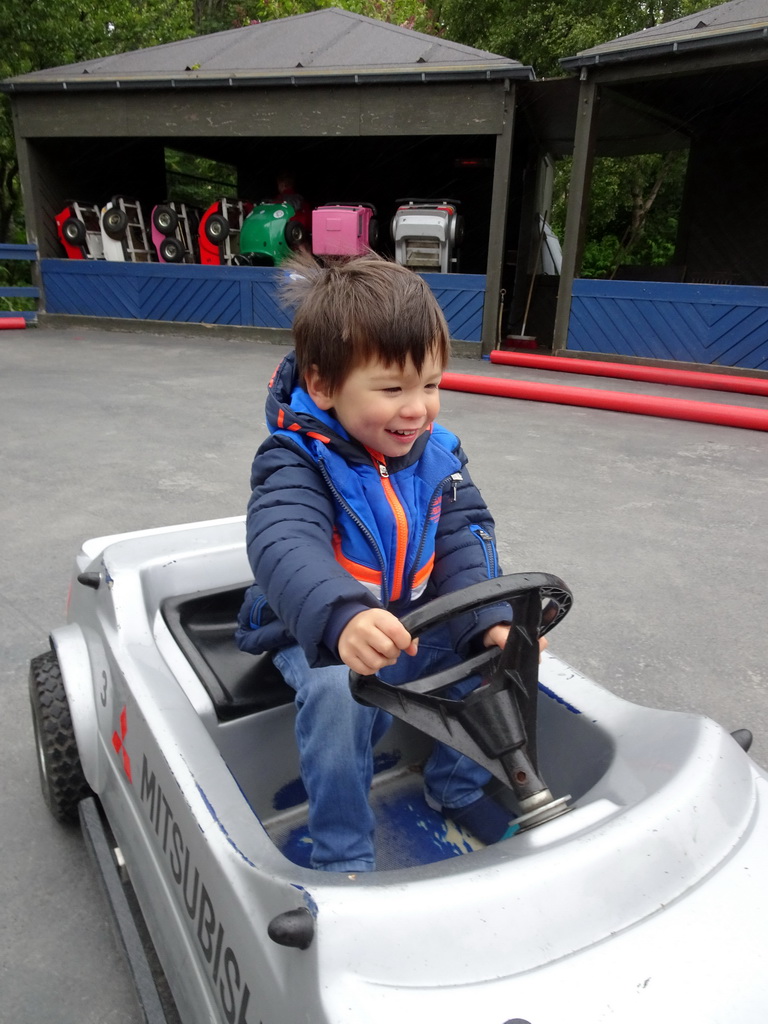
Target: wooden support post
x,y
497,234
578,202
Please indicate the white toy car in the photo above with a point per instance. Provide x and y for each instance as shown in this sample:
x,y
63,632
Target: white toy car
x,y
124,232
428,235
635,890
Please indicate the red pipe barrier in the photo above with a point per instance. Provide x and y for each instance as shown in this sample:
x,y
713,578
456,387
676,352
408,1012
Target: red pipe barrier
x,y
616,401
9,322
651,374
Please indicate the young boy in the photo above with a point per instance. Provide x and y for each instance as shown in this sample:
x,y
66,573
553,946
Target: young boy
x,y
361,506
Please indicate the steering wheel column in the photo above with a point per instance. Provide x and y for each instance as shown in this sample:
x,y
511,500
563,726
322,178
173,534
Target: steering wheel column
x,y
495,724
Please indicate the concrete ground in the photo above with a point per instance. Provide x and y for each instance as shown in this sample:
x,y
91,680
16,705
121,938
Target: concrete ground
x,y
659,526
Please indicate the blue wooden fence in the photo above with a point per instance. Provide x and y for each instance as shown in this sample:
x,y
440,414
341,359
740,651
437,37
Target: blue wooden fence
x,y
461,298
233,296
724,325
19,252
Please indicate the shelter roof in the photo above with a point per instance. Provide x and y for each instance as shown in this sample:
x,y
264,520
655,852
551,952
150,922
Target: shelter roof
x,y
331,45
732,24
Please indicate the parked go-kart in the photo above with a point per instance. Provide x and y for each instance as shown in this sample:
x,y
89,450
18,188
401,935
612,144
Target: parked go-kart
x,y
124,232
271,233
344,229
428,235
219,230
635,888
78,226
174,228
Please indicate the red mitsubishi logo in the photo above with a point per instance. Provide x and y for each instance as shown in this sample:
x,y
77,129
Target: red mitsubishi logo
x,y
118,742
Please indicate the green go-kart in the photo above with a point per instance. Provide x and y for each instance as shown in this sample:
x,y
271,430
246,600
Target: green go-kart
x,y
270,234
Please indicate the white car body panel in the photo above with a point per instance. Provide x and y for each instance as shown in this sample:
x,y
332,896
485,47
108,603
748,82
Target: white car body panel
x,y
648,901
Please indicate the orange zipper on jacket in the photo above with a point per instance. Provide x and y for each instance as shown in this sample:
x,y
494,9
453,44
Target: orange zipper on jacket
x,y
401,525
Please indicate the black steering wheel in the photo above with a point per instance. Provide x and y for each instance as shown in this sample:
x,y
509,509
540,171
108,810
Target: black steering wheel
x,y
494,724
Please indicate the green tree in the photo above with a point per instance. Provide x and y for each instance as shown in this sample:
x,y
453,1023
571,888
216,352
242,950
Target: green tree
x,y
634,202
541,32
414,14
37,34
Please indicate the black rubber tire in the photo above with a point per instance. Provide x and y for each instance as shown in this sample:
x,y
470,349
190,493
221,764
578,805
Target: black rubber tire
x,y
217,229
294,234
172,250
373,233
165,219
74,231
115,222
61,774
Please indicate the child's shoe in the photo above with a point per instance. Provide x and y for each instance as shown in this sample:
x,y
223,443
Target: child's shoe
x,y
486,819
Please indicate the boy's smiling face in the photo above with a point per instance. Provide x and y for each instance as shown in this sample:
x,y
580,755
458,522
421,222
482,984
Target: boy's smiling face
x,y
384,407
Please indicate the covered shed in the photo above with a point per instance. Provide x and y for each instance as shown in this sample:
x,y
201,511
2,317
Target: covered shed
x,y
702,81
358,108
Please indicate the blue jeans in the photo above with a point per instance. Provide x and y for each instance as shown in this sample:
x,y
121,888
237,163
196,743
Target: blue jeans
x,y
336,737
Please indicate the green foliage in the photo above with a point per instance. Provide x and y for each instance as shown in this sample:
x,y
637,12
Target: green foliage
x,y
413,14
10,198
217,15
43,35
197,181
633,212
600,256
535,32
16,274
541,32
38,34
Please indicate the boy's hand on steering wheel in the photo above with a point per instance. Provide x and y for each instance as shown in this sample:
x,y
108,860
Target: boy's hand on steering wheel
x,y
497,635
373,639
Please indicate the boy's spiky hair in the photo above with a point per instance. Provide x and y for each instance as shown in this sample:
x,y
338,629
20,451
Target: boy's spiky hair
x,y
357,309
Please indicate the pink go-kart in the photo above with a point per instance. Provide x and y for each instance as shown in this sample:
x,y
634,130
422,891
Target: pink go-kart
x,y
344,229
174,228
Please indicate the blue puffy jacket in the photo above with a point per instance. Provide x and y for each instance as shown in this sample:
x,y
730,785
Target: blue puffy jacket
x,y
331,531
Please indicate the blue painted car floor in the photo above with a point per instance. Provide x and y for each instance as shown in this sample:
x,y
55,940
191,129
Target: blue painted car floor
x,y
408,832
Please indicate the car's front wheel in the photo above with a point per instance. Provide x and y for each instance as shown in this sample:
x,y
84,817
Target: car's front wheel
x,y
61,774
217,229
165,219
115,222
294,234
74,231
